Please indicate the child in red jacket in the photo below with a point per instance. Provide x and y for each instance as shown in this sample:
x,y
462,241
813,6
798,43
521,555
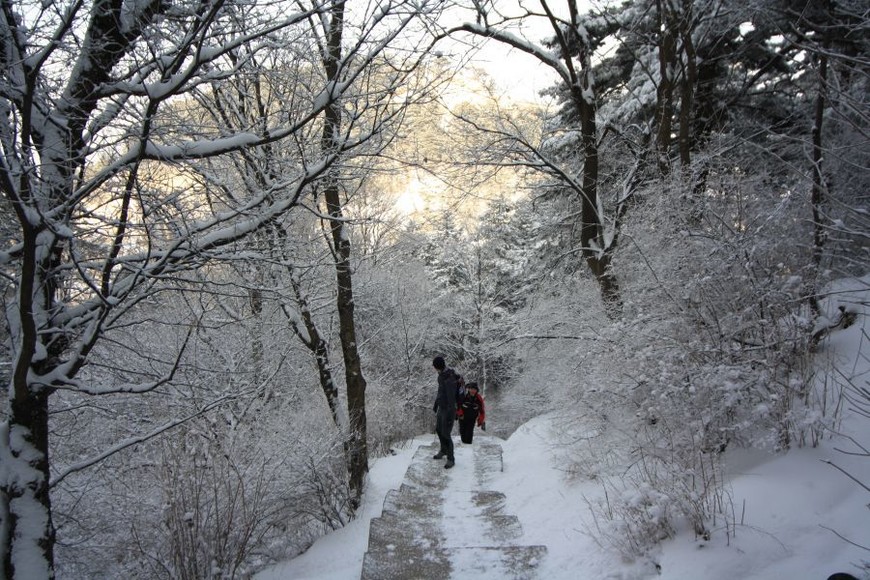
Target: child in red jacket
x,y
470,410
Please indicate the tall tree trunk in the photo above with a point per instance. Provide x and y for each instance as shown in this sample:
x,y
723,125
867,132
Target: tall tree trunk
x,y
817,197
314,342
256,298
27,504
596,251
38,184
355,381
27,528
595,248
476,337
687,86
665,88
28,507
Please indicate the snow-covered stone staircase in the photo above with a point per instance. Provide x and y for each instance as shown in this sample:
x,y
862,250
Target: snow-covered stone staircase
x,y
447,523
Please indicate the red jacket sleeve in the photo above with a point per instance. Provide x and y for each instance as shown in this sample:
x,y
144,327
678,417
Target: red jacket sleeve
x,y
481,415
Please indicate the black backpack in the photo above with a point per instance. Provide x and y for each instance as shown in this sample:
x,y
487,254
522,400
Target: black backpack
x,y
460,387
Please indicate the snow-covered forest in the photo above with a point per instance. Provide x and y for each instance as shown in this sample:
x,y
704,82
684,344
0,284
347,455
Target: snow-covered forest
x,y
235,235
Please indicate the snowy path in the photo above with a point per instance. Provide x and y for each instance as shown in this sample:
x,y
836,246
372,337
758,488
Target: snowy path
x,y
422,535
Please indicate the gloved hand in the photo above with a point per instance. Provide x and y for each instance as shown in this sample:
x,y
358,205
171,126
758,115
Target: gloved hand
x,y
483,425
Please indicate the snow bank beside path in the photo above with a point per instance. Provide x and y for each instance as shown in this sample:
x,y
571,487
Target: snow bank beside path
x,y
794,512
339,555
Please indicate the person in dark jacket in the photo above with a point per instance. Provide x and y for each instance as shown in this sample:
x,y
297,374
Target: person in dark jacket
x,y
471,410
445,410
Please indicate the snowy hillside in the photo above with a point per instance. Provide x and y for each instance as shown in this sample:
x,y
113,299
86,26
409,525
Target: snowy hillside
x,y
801,515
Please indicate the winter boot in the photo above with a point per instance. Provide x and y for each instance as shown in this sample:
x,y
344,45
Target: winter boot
x,y
439,455
450,463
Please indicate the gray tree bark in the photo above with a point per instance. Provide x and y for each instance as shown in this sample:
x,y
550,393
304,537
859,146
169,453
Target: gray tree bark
x,y
355,381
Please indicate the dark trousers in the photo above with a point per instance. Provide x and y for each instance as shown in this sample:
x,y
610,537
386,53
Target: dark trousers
x,y
466,430
443,427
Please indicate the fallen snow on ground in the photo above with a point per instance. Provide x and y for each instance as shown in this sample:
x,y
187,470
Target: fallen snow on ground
x,y
798,516
794,504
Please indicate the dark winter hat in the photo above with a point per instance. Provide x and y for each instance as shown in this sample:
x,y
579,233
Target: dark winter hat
x,y
471,386
438,363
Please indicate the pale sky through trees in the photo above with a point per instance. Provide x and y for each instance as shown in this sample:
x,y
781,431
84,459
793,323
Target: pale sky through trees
x,y
520,75
518,79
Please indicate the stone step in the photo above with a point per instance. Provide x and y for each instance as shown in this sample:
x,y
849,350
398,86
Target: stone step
x,y
414,500
489,502
514,562
492,530
393,528
418,563
489,454
424,471
399,528
406,561
418,536
428,501
487,462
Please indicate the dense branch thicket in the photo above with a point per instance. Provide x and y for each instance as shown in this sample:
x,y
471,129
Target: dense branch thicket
x,y
198,366
154,160
728,177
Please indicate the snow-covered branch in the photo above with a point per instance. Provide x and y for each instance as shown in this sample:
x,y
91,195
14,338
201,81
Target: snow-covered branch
x,y
548,58
131,441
